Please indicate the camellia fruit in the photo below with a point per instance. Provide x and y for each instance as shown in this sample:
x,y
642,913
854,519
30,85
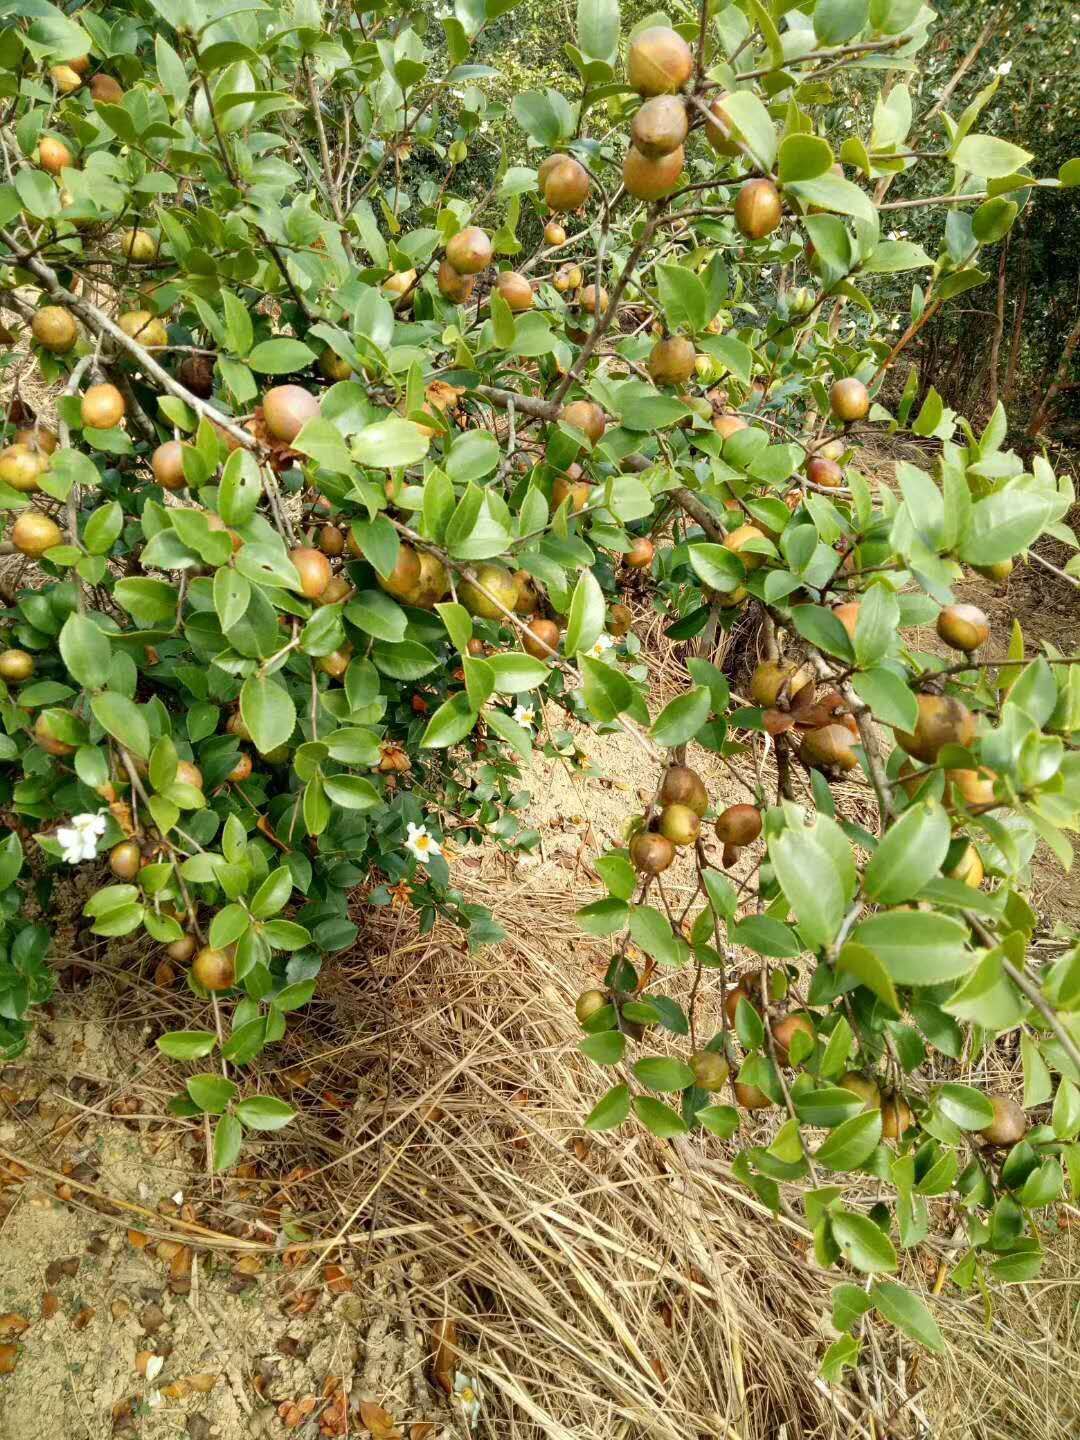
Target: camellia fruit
x,y
773,678
784,1032
942,720
565,186
125,860
718,128
647,179
196,373
53,155
515,290
969,868
1009,1123
620,620
331,540
640,555
405,576
20,467
824,472
680,824
829,748
593,302
588,1004
738,539
683,786
585,415
214,969
106,89
999,571
188,773
728,425
660,126
145,328
334,367
39,439
182,950
65,78
241,770
46,739
671,361
554,233
33,534
758,209
710,1070
527,597
287,409
963,627
54,329
167,463
848,615
452,285
501,587
540,639
864,1087
16,666
750,1097
567,277
738,825
650,853
469,251
313,568
576,491
659,61
896,1116
139,245
432,584
103,407
849,399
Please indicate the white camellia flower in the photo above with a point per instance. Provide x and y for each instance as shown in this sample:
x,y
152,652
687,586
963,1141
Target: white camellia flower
x,y
525,715
79,840
603,642
420,844
1004,67
468,1395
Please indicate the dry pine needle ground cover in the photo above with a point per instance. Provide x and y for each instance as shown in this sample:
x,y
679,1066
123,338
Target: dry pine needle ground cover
x,y
439,1219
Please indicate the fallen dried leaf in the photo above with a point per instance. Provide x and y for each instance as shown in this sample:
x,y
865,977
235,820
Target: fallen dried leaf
x,y
379,1421
50,1304
444,1355
249,1265
337,1281
167,1249
137,1240
12,1326
83,1318
295,1412
422,1430
9,1358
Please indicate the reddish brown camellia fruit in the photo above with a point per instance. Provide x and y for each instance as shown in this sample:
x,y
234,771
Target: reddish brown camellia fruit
x,y
585,415
650,853
593,302
452,285
848,615
53,155
683,786
896,1116
728,425
167,463
515,290
1009,1123
540,639
287,409
671,361
750,1097
313,568
647,179
102,407
660,126
576,491
659,61
829,748
214,969
849,399
784,1032
942,720
738,825
963,627
758,209
564,183
641,552
405,576
125,860
824,472
773,678
470,250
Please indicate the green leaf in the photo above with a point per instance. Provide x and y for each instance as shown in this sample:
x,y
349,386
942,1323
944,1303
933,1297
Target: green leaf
x,y
391,444
830,192
516,672
803,157
908,1313
228,1138
232,593
264,1112
273,894
965,1106
85,651
917,947
450,723
862,1243
211,1092
123,720
721,1120
267,710
352,792
103,528
716,567
610,1111
325,444
910,853
606,689
659,1072
865,966
280,356
682,718
890,699
989,157
852,1142
378,615
659,1119
598,28
751,120
585,620
240,489
811,884
836,21
606,1048
186,1044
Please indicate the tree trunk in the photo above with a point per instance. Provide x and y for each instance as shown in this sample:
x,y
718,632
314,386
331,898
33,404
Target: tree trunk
x,y
1043,408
